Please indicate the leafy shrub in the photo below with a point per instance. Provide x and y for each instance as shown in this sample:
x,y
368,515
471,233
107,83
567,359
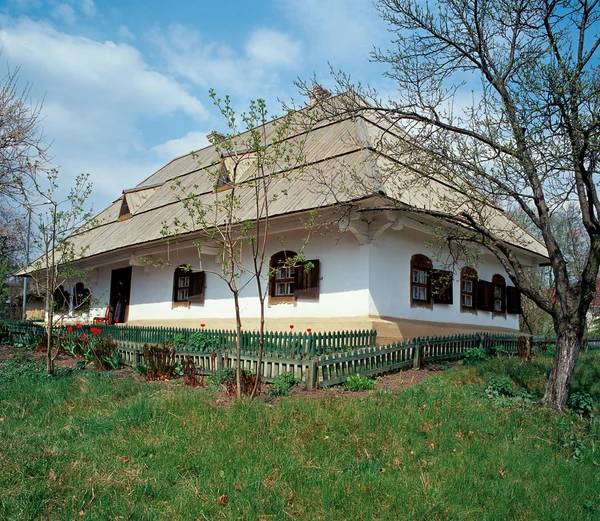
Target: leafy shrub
x,y
474,355
201,341
103,352
226,380
496,350
282,384
197,341
190,373
359,383
498,386
159,362
4,334
581,403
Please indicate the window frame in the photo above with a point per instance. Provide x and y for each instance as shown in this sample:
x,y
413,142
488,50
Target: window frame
x,y
498,294
277,263
305,281
468,274
193,284
420,264
81,298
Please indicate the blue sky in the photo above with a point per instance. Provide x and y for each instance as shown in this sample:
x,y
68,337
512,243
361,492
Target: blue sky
x,y
125,84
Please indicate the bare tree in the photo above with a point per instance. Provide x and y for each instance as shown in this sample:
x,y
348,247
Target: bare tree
x,y
55,237
23,150
526,138
12,239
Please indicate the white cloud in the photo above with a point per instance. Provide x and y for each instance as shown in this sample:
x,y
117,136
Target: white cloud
x,y
173,148
97,97
64,13
273,48
88,7
244,75
338,29
125,33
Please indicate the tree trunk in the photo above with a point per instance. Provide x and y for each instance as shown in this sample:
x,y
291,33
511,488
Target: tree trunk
x,y
568,345
261,343
238,344
50,323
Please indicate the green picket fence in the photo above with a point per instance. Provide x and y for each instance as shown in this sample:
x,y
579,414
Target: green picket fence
x,y
276,344
336,367
541,343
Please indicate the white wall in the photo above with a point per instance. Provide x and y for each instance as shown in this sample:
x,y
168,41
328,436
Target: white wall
x,y
389,275
343,285
356,281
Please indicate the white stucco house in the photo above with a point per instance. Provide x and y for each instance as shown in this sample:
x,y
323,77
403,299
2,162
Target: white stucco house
x,y
375,263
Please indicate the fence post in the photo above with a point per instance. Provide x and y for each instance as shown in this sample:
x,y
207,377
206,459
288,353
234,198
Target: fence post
x,y
481,340
312,374
418,355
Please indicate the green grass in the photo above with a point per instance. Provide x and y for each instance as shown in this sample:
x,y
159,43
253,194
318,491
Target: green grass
x,y
89,446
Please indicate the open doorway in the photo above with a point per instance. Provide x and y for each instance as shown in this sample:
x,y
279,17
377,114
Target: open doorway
x,y
120,290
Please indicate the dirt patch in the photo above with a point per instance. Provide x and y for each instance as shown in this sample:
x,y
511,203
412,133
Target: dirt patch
x,y
62,360
391,382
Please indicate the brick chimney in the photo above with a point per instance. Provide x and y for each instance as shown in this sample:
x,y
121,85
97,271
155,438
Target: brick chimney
x,y
215,137
318,94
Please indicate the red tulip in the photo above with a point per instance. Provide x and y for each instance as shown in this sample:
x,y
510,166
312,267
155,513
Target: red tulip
x,y
202,325
308,329
83,337
291,326
70,329
78,326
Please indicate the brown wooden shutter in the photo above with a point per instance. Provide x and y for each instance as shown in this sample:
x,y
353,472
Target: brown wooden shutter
x,y
485,295
513,300
196,291
442,286
306,281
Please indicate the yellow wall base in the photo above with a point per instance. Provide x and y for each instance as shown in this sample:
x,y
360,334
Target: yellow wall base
x,y
389,329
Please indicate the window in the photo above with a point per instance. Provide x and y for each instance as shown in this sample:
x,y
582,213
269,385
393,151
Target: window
x,y
61,300
284,281
468,287
124,212
513,300
499,294
287,283
188,286
420,280
224,179
441,286
81,300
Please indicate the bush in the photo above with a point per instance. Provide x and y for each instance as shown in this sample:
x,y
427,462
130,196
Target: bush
x,y
190,373
474,355
498,386
282,384
496,350
197,341
159,362
581,403
103,352
225,379
359,383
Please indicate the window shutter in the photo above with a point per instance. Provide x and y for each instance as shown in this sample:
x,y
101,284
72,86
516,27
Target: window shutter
x,y
196,291
442,286
175,275
485,295
513,300
306,284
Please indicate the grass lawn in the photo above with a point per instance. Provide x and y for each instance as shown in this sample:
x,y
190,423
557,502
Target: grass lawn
x,y
89,445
